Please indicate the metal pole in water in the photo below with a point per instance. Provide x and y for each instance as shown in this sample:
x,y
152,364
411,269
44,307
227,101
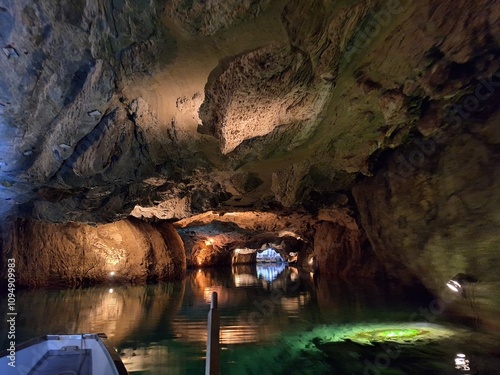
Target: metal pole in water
x,y
212,364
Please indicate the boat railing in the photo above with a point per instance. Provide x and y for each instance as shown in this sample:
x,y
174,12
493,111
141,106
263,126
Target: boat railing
x,y
212,364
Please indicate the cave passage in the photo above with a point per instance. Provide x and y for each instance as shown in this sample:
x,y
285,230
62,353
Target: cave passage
x,y
330,168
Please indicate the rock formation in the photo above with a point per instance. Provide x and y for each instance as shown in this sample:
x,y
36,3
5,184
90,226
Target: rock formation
x,y
430,213
366,128
78,254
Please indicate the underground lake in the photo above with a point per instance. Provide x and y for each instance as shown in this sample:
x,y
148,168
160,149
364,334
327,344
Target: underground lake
x,y
275,319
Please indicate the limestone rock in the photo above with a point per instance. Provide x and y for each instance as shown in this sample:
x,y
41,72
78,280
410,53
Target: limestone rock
x,y
257,92
246,182
436,214
208,17
345,252
78,254
303,96
285,184
302,103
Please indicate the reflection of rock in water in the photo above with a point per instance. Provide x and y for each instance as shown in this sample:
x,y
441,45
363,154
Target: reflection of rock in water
x,y
252,309
121,312
270,272
261,274
268,276
360,296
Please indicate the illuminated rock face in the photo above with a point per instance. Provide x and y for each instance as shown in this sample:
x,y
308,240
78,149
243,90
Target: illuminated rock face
x,y
181,107
244,258
78,254
166,110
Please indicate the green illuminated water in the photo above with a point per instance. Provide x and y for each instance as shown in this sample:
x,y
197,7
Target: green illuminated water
x,y
293,324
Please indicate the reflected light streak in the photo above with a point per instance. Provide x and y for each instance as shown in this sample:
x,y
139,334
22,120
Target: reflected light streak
x,y
245,279
269,272
207,293
294,304
142,359
196,332
238,334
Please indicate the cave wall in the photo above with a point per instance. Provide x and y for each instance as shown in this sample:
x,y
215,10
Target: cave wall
x,y
433,212
79,254
62,65
338,246
99,112
345,251
244,258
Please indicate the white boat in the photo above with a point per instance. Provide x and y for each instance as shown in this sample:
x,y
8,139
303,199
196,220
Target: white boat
x,y
85,354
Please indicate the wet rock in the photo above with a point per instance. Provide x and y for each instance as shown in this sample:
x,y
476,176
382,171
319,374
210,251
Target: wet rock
x,y
345,251
436,214
301,102
78,254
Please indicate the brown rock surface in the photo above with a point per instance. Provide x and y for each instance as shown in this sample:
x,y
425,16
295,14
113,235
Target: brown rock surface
x,y
78,254
440,217
291,93
345,251
208,17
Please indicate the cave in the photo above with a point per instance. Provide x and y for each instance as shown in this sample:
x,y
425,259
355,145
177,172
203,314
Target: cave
x,y
331,169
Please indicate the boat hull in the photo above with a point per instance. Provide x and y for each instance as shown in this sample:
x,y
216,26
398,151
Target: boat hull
x,y
85,354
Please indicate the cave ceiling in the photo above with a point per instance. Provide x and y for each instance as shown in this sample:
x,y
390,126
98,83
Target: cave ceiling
x,y
166,110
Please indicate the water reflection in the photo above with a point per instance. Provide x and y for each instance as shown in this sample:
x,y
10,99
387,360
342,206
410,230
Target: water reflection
x,y
266,313
252,275
269,272
256,303
120,312
238,306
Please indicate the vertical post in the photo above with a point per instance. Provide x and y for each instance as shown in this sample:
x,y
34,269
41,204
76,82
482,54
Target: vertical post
x,y
212,364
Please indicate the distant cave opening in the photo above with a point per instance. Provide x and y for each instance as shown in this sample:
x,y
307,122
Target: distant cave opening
x,y
263,255
269,255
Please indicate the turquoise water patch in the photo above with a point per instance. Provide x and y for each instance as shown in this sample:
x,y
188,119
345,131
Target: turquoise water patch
x,y
368,333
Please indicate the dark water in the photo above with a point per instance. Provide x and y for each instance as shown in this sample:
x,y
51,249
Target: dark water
x,y
273,321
